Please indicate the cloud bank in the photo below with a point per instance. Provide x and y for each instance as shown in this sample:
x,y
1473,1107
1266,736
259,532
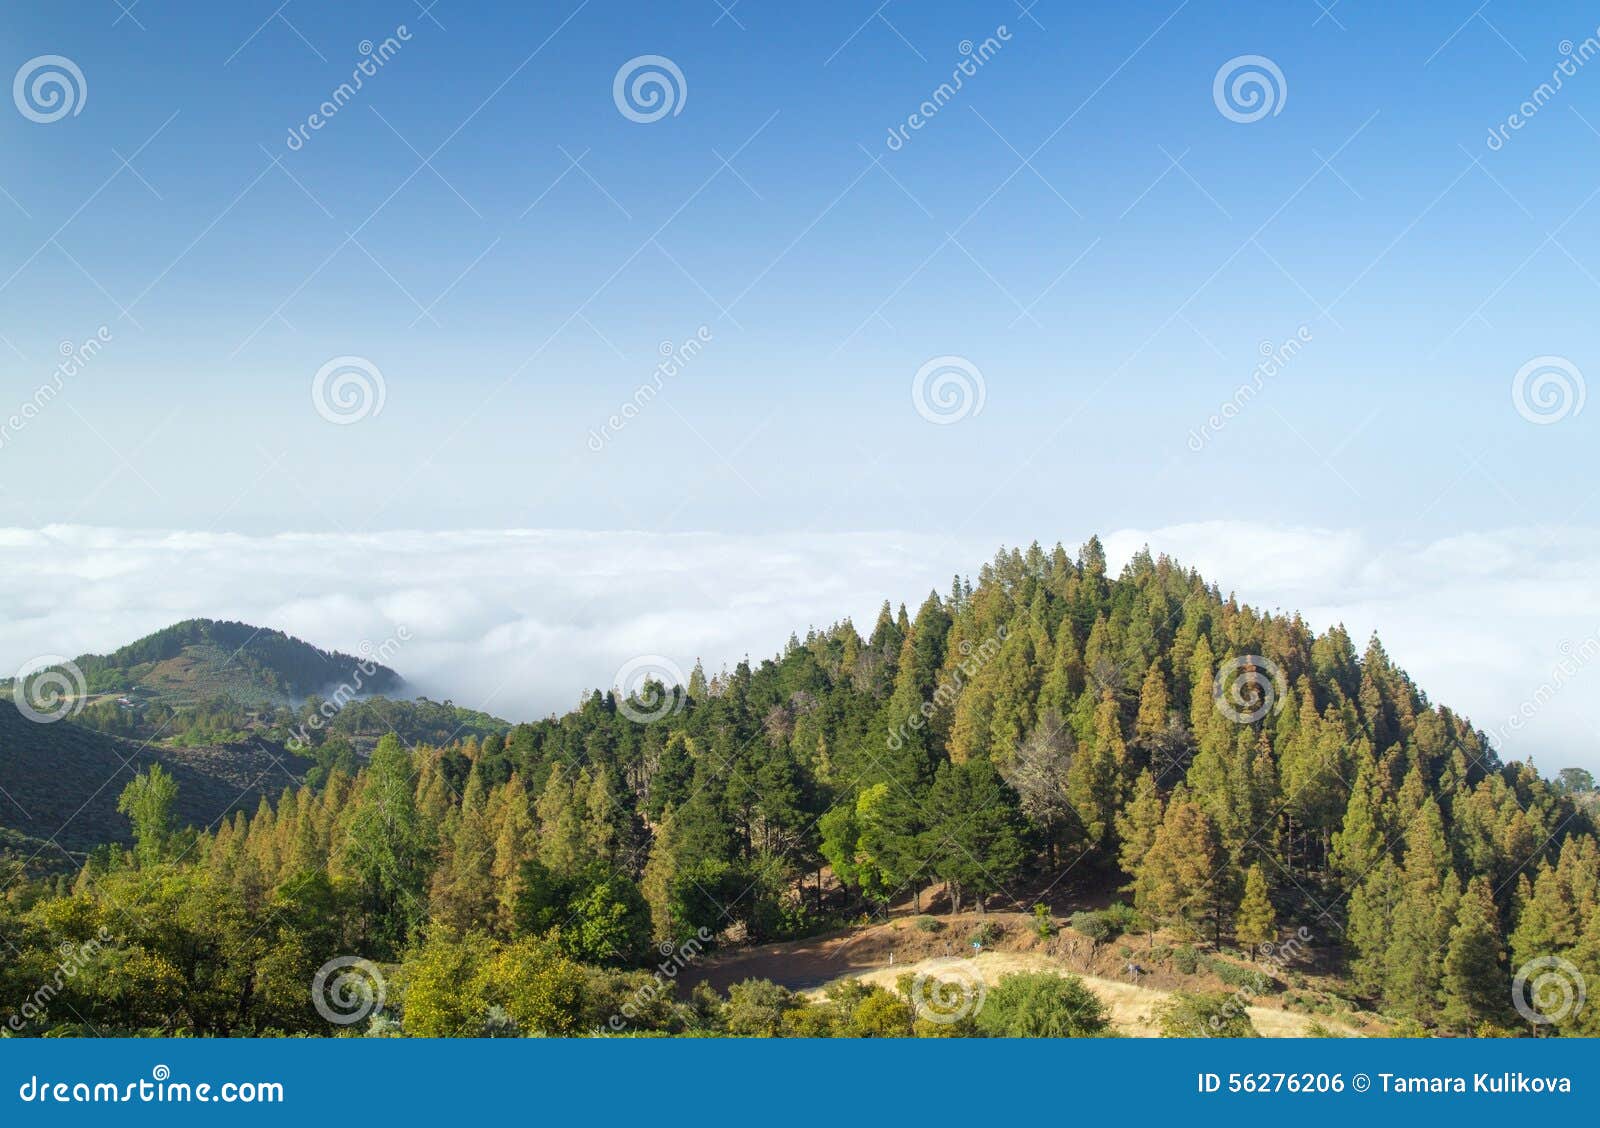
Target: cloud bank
x,y
521,622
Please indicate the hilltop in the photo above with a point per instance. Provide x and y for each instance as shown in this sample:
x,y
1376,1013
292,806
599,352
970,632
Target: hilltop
x,y
204,659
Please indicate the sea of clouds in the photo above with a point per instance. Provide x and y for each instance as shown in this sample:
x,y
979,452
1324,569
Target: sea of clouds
x,y
521,622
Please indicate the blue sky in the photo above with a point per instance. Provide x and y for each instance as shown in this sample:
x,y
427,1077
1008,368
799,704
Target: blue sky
x,y
1080,223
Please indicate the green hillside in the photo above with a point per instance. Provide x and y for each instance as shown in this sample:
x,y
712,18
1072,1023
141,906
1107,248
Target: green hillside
x,y
59,783
204,659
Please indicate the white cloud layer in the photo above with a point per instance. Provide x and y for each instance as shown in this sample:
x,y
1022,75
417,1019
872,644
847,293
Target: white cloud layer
x,y
520,623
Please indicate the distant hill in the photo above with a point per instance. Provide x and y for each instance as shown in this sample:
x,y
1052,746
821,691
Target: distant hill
x,y
204,659
63,780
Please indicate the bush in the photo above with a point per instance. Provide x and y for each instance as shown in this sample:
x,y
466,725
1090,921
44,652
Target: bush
x,y
1205,1015
927,924
1125,918
1235,975
1043,926
1186,960
985,934
1042,1005
1094,925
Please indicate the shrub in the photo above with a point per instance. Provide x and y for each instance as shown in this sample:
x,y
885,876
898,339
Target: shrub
x,y
1042,1005
985,934
1235,975
1125,918
1186,960
1093,925
1205,1015
928,924
1043,926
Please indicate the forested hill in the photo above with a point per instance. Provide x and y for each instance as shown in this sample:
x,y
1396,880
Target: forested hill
x,y
1040,735
201,659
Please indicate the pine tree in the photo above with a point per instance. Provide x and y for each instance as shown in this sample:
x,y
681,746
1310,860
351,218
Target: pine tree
x,y
1256,923
1474,981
